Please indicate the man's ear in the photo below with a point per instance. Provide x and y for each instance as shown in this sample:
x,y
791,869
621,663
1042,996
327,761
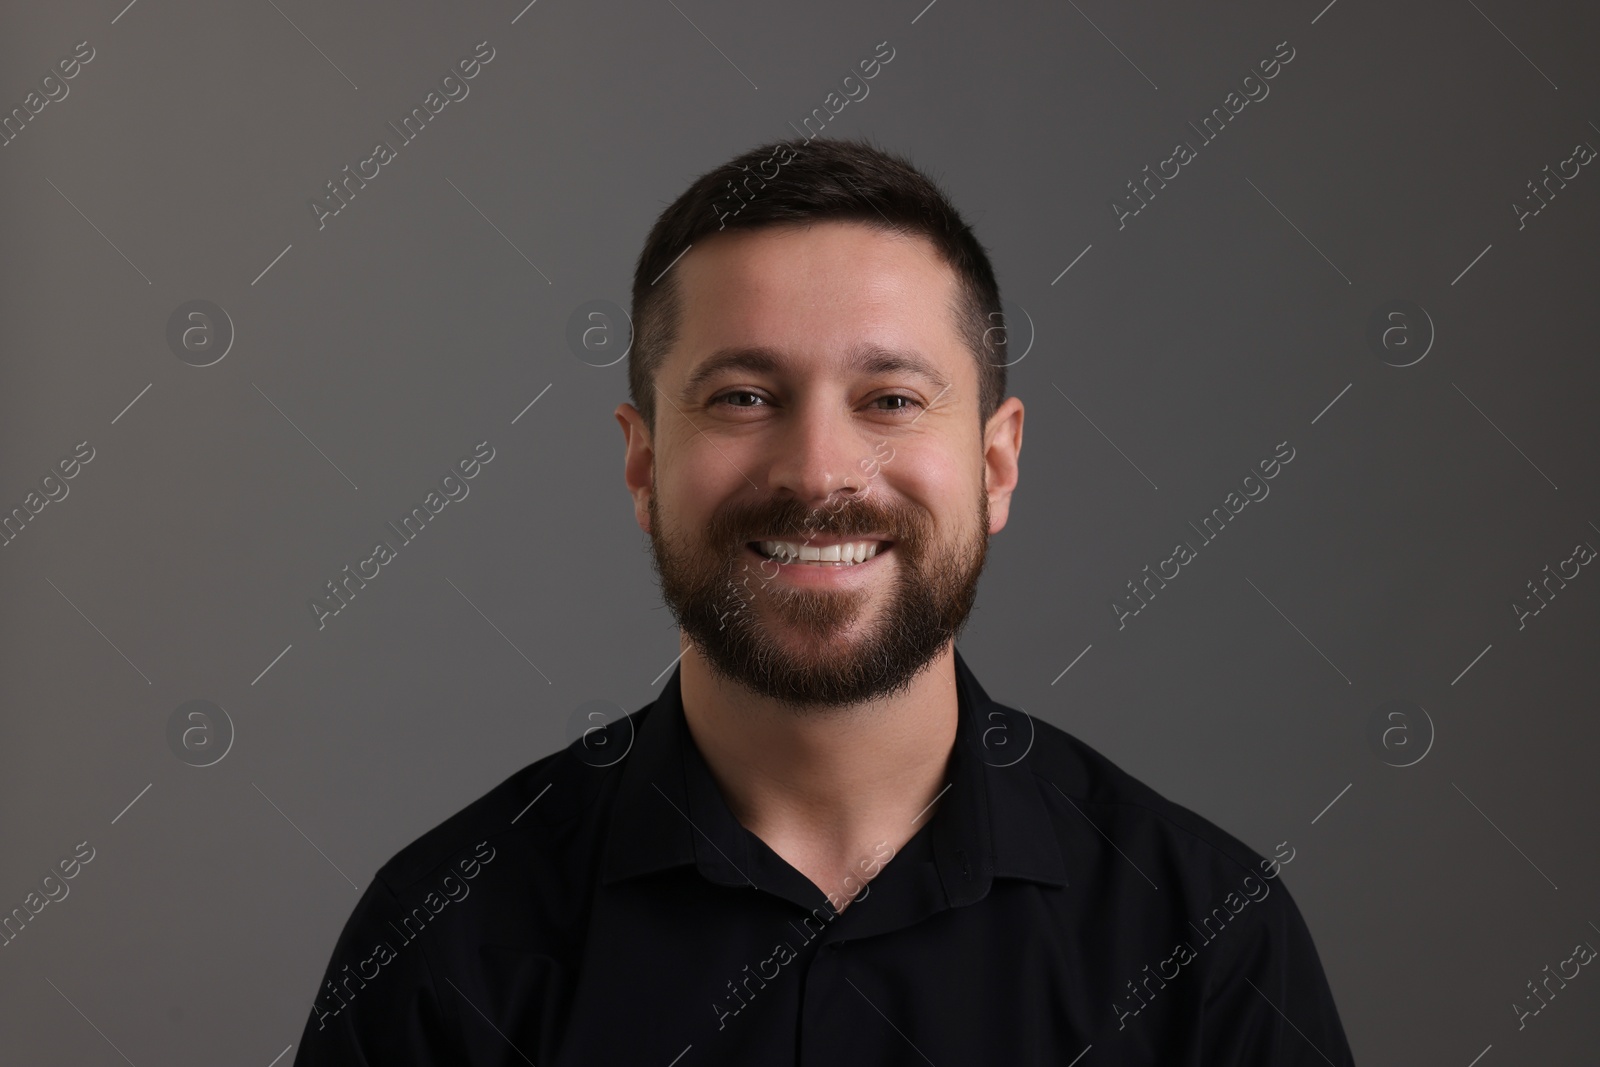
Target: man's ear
x,y
638,461
1002,445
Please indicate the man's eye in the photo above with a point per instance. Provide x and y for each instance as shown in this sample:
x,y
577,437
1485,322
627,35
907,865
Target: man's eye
x,y
737,392
907,401
749,399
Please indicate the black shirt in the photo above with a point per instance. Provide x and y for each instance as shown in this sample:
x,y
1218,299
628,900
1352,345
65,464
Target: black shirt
x,y
604,906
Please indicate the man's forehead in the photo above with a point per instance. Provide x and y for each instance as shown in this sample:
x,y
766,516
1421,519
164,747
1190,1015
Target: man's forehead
x,y
777,298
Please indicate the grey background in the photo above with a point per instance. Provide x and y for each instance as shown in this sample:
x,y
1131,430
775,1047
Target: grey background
x,y
374,353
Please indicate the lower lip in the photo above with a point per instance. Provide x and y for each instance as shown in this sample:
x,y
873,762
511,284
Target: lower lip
x,y
815,574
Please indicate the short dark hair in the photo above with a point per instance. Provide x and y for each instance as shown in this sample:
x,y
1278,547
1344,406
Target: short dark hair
x,y
825,179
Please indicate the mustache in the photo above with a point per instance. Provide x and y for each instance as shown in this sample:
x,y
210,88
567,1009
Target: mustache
x,y
738,522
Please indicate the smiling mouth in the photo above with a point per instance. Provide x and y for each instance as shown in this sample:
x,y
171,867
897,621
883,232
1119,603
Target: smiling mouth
x,y
842,554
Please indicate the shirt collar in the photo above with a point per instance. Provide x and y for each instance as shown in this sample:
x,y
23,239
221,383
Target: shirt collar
x,y
992,821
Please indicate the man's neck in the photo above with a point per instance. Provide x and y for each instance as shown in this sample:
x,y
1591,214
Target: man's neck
x,y
828,788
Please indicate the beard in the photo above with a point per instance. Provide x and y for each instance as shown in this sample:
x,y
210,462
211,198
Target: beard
x,y
810,647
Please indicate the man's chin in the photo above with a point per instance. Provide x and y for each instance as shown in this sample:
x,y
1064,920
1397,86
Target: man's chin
x,y
814,612
821,629
828,650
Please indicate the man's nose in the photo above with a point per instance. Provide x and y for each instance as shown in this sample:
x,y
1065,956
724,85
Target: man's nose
x,y
815,455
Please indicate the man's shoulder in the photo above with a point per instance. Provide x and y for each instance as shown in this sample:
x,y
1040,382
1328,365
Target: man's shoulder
x,y
1085,784
546,808
1161,890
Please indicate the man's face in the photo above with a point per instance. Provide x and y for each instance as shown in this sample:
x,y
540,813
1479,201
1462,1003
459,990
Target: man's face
x,y
819,396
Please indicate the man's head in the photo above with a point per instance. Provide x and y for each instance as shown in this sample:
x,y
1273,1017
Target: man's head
x,y
818,361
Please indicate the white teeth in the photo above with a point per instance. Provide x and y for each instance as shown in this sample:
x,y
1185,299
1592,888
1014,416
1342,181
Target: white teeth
x,y
849,553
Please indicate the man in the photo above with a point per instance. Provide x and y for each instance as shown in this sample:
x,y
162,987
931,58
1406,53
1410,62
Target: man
x,y
823,842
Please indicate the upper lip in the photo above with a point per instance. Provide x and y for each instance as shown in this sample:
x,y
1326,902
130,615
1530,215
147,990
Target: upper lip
x,y
831,539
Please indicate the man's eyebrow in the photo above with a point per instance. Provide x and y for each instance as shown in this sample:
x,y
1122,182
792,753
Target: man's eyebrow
x,y
866,358
756,360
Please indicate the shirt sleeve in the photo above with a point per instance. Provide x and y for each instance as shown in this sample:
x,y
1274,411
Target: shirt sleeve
x,y
1268,1003
378,1004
